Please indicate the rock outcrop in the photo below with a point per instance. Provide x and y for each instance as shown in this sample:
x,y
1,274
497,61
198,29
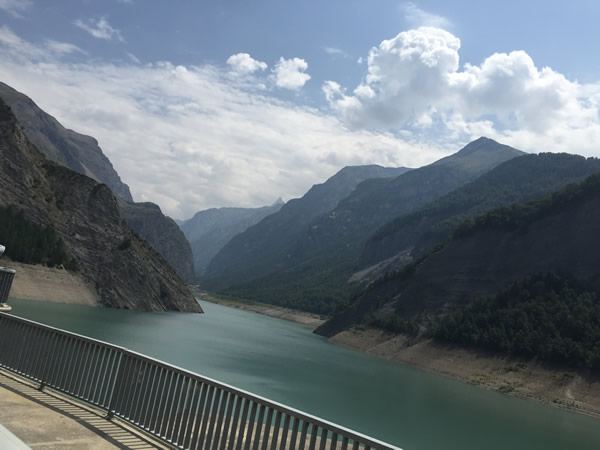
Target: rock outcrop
x,y
147,220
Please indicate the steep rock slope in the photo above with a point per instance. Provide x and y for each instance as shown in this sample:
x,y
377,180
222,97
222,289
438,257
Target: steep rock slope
x,y
123,269
162,233
264,247
76,151
208,231
558,233
83,155
518,180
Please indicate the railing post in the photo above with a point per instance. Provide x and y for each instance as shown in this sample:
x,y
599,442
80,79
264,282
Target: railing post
x,y
6,279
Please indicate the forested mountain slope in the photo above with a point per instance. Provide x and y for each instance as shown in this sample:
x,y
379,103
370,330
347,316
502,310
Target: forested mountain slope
x,y
518,180
559,233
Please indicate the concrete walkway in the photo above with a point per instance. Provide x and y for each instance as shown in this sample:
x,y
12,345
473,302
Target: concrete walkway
x,y
46,420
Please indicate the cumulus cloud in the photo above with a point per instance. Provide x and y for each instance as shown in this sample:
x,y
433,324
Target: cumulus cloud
x,y
414,81
291,73
190,138
243,63
99,28
16,8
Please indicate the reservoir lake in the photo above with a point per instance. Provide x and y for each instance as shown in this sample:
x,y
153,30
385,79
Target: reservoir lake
x,y
286,362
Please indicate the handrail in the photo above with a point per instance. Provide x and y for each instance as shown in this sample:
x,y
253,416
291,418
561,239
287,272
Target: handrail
x,y
179,407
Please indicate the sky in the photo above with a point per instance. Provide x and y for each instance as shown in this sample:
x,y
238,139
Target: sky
x,y
202,104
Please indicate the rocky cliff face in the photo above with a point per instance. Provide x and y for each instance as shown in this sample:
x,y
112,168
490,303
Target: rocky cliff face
x,y
76,151
124,270
147,220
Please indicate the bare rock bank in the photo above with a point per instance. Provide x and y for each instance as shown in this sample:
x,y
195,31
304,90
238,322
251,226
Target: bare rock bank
x,y
563,387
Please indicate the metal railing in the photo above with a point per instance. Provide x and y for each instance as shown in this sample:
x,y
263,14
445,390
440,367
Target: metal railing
x,y
6,279
180,408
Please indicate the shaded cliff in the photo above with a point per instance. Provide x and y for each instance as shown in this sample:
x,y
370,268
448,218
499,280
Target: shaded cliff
x,y
124,270
147,220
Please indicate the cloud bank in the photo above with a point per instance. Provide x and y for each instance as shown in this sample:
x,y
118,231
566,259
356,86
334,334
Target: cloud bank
x,y
414,82
16,8
190,138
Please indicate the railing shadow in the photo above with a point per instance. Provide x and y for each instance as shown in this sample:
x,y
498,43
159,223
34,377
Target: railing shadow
x,y
95,421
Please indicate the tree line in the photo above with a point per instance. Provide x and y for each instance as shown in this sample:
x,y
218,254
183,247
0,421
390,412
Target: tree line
x,y
30,243
550,316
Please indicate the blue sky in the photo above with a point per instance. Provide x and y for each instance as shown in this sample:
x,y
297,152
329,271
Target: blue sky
x,y
223,103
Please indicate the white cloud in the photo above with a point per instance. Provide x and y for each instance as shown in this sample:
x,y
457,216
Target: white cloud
x,y
334,51
190,138
243,63
133,58
291,73
16,8
414,81
62,48
99,28
417,17
18,48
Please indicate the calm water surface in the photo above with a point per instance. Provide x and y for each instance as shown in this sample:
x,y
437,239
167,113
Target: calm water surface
x,y
285,362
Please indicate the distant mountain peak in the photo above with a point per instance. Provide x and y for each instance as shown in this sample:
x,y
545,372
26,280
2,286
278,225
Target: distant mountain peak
x,y
279,201
481,144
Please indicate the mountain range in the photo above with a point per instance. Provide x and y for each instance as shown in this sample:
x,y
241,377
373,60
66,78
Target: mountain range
x,y
210,230
303,256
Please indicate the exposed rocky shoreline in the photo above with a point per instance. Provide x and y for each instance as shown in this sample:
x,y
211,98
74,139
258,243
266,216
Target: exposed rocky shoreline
x,y
279,312
549,384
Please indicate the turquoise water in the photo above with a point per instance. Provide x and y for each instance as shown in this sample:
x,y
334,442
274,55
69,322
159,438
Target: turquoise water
x,y
284,361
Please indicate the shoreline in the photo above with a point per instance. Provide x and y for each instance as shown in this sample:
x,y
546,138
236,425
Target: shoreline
x,y
279,312
544,383
551,385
